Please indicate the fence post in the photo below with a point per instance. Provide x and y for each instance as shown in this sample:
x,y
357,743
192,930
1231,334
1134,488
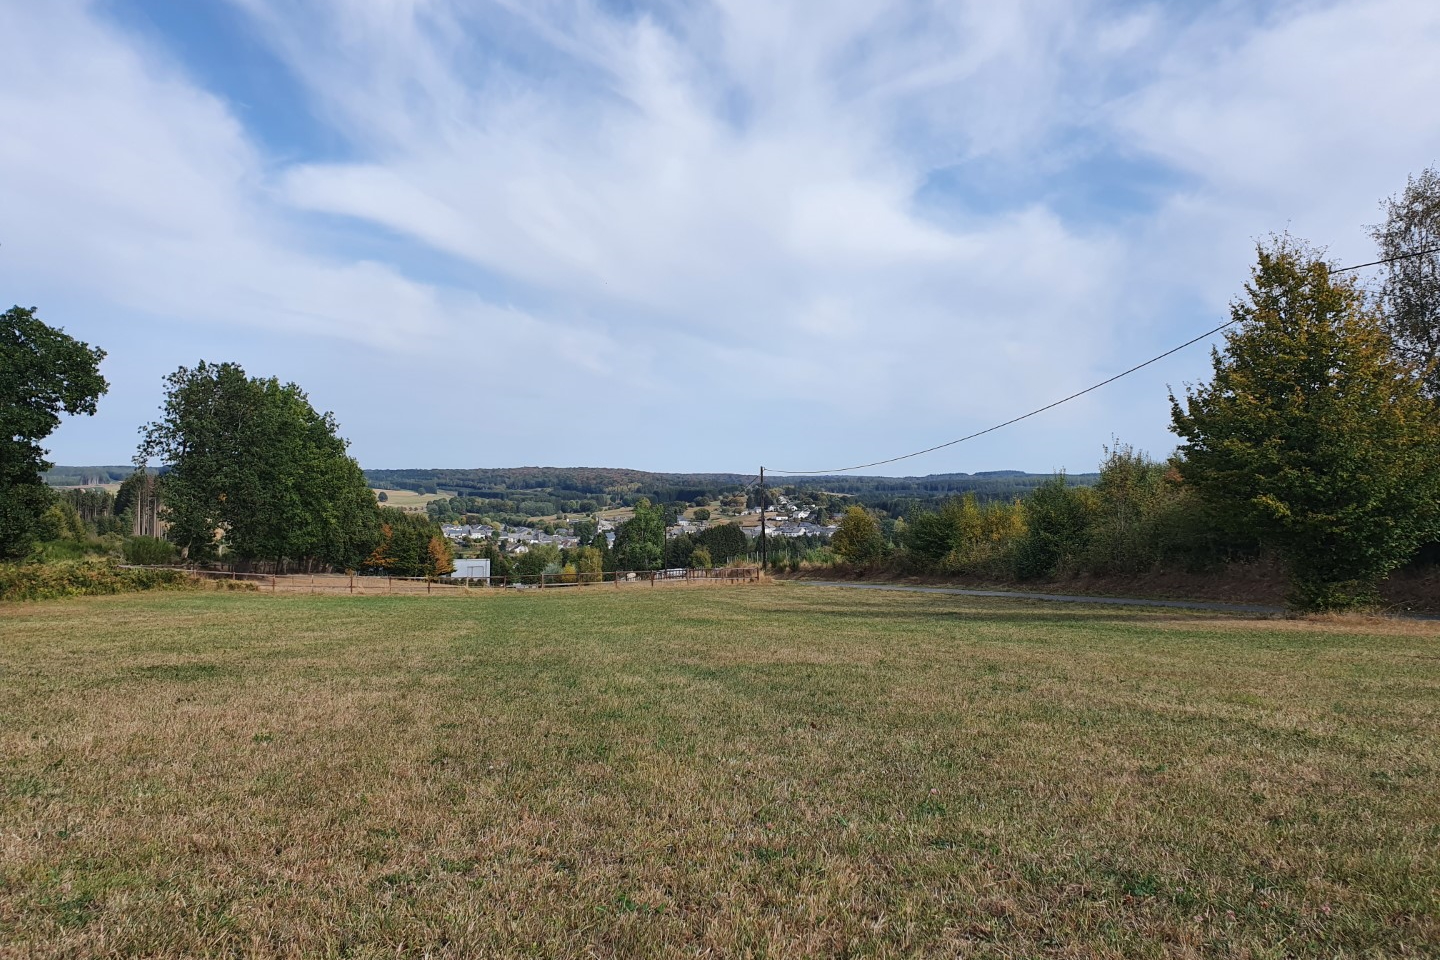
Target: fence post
x,y
352,583
274,583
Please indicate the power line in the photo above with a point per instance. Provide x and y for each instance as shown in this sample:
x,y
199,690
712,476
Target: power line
x,y
1090,389
1023,416
1376,263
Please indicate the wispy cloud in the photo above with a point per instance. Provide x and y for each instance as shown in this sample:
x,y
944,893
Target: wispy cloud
x,y
891,217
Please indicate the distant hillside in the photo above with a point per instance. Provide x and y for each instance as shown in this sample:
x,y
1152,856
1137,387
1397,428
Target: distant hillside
x,y
541,491
86,476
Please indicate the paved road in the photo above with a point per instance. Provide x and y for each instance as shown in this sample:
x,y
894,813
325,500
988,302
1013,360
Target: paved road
x,y
1055,597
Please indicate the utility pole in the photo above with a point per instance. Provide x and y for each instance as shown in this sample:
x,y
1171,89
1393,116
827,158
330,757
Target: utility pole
x,y
764,547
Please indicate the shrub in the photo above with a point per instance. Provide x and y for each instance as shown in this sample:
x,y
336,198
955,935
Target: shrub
x,y
148,551
1057,533
858,540
54,551
78,578
1128,499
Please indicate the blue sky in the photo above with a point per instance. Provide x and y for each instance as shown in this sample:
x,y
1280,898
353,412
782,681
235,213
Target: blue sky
x,y
687,236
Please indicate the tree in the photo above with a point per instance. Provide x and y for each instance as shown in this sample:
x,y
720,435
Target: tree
x,y
499,562
933,535
540,558
858,538
1410,292
61,521
678,550
1123,537
640,541
589,565
440,556
702,514
724,542
128,496
252,458
1057,529
700,559
43,373
408,545
1313,433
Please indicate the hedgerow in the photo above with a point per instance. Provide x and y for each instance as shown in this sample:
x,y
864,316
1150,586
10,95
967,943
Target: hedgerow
x,y
88,577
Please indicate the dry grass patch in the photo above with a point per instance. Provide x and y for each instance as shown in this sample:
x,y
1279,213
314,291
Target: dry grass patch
x,y
771,771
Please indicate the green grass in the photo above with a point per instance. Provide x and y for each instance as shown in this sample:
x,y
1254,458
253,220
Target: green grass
x,y
773,771
408,499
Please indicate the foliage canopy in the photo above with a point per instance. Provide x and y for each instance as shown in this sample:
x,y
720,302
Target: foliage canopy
x,y
1410,292
252,458
640,541
858,538
1313,433
43,373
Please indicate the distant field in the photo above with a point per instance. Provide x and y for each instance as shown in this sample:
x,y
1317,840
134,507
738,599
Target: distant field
x,y
781,771
409,499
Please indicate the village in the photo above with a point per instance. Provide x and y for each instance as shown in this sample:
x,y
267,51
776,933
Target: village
x,y
782,519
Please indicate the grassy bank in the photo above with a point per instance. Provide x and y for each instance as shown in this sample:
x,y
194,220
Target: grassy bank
x,y
776,771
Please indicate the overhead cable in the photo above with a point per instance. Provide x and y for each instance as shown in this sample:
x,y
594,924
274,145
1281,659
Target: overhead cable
x,y
1081,393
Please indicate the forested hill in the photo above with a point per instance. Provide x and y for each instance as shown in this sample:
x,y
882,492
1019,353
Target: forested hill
x,y
516,494
576,489
617,485
86,476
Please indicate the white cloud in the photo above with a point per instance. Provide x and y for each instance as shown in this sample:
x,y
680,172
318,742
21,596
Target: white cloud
x,y
724,199
1302,124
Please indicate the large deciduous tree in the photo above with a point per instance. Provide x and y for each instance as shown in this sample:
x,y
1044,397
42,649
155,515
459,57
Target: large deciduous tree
x,y
43,373
640,541
1313,434
1410,292
251,458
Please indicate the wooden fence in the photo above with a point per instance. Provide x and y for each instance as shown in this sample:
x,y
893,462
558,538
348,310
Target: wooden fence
x,y
370,585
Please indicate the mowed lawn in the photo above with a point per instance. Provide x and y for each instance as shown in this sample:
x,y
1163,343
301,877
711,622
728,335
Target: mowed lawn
x,y
778,771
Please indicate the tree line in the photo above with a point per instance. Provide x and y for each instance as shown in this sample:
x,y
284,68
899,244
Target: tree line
x,y
517,495
1315,443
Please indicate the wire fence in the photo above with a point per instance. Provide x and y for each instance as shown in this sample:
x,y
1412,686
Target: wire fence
x,y
371,584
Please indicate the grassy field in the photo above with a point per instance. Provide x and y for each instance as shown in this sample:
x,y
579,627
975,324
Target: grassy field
x,y
409,499
778,771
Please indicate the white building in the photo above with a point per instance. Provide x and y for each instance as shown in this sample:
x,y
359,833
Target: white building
x,y
468,569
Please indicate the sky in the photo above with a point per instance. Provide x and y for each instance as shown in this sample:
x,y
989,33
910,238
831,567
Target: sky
x,y
688,236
